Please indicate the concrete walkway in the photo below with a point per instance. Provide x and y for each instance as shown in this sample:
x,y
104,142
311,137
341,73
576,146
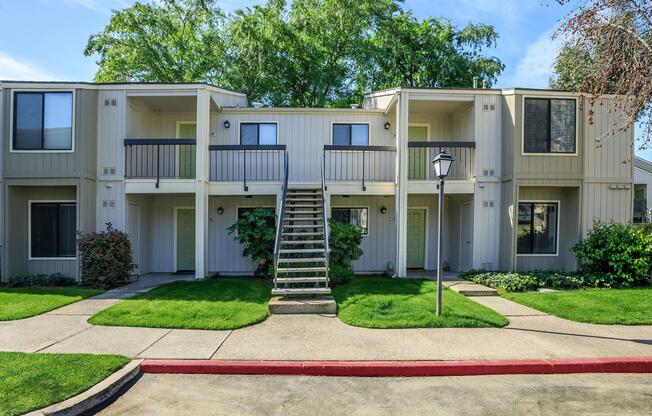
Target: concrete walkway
x,y
530,334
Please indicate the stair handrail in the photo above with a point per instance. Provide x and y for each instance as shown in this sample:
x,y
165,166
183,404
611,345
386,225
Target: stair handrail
x,y
281,216
325,217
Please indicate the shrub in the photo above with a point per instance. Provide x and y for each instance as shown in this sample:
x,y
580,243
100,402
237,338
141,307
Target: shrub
x,y
505,282
559,280
55,279
621,253
257,234
106,257
344,241
338,275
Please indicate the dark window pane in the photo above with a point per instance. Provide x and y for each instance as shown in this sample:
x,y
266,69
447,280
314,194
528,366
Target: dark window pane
x,y
248,134
267,133
524,229
545,229
356,216
57,122
537,125
341,134
562,126
67,230
44,225
28,119
360,134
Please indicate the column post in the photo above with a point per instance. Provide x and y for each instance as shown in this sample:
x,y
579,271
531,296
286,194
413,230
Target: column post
x,y
201,183
402,109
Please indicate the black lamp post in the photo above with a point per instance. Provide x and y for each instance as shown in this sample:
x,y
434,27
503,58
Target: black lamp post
x,y
442,162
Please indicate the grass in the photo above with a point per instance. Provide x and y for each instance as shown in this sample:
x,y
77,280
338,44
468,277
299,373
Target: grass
x,y
23,302
32,381
383,302
223,303
596,306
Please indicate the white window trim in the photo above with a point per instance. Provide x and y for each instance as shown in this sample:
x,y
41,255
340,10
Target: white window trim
x,y
240,122
350,206
174,245
29,227
11,121
577,124
333,123
540,201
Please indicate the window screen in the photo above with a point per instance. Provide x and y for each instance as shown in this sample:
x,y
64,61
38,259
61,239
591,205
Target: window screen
x,y
42,121
53,229
356,216
537,227
549,126
351,134
258,133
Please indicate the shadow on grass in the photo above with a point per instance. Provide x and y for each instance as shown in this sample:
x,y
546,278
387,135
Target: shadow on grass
x,y
239,289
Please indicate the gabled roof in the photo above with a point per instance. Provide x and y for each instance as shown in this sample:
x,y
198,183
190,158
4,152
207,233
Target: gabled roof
x,y
643,164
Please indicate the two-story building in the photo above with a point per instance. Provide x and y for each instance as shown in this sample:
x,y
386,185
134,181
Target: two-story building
x,y
174,165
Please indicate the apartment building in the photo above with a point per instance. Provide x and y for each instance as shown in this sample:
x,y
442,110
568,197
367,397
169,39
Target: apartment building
x,y
174,165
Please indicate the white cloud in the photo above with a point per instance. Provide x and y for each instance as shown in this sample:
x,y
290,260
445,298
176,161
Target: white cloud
x,y
536,67
16,70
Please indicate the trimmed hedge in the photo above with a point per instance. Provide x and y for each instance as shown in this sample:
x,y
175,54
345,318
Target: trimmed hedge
x,y
55,279
527,281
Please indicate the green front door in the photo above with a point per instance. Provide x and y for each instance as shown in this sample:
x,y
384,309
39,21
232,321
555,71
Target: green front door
x,y
185,239
416,238
186,154
418,156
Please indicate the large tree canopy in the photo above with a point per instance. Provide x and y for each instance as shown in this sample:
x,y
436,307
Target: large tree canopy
x,y
302,53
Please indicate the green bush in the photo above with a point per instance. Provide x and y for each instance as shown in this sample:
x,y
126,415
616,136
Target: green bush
x,y
338,275
559,280
106,257
344,242
621,253
257,234
55,279
505,282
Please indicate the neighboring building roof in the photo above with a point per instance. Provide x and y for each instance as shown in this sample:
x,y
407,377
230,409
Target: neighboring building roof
x,y
643,164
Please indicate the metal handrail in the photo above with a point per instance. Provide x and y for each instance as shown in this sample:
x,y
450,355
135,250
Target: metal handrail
x,y
281,216
326,227
363,150
245,148
441,144
158,142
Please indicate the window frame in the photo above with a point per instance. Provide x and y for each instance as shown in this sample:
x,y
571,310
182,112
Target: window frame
x,y
240,123
550,97
12,120
29,227
368,124
355,207
539,201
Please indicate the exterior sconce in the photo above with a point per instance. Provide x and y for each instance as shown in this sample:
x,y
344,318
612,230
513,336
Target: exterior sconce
x,y
387,125
220,210
383,210
227,124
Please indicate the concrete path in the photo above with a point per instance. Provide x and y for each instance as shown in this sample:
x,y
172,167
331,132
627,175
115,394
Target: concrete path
x,y
594,394
530,334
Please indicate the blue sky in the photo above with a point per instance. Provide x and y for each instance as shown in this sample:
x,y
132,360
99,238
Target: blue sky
x,y
45,39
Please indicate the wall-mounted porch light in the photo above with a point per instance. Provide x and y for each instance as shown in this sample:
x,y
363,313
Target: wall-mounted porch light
x,y
383,210
220,210
227,124
387,125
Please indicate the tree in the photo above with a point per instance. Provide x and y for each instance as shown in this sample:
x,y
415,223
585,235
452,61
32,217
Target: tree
x,y
572,65
167,41
615,36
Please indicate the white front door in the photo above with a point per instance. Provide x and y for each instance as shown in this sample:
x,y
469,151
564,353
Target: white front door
x,y
466,237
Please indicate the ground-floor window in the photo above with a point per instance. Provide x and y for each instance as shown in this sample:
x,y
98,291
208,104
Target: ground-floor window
x,y
53,227
537,227
356,216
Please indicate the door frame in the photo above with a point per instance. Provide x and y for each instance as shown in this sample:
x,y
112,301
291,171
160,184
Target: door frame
x,y
425,235
462,206
133,204
174,241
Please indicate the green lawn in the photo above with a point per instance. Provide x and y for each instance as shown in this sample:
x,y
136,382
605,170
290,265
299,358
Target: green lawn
x,y
32,381
23,302
223,303
596,306
383,302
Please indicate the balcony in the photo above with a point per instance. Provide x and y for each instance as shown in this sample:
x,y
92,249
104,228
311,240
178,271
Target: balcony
x,y
360,164
421,154
247,163
160,158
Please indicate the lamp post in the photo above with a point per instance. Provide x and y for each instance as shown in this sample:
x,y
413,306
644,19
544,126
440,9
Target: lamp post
x,y
442,162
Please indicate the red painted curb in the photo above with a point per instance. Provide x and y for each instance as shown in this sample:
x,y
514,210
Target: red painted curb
x,y
400,368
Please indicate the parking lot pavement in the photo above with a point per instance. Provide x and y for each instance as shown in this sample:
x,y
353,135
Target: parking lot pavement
x,y
575,394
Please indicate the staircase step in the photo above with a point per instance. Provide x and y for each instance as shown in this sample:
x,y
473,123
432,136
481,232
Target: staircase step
x,y
302,291
305,194
302,242
301,269
286,280
303,226
301,250
318,219
297,212
303,260
303,234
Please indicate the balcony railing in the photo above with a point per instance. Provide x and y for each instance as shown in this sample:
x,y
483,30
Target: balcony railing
x,y
360,163
421,154
160,158
247,163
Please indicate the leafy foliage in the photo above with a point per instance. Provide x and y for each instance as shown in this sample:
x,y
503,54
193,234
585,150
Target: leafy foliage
x,y
504,282
621,252
106,257
54,279
344,241
338,275
572,65
257,235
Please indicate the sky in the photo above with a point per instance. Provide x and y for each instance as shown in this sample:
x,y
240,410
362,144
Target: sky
x,y
45,39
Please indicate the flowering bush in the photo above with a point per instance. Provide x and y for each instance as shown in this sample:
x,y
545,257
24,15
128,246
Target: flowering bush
x,y
106,257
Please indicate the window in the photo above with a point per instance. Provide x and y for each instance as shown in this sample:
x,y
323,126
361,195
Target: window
x,y
42,121
257,133
357,216
351,134
537,227
52,229
549,126
243,210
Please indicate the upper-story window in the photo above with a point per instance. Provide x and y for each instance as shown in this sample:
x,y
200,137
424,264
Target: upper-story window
x,y
351,134
258,133
43,120
550,126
